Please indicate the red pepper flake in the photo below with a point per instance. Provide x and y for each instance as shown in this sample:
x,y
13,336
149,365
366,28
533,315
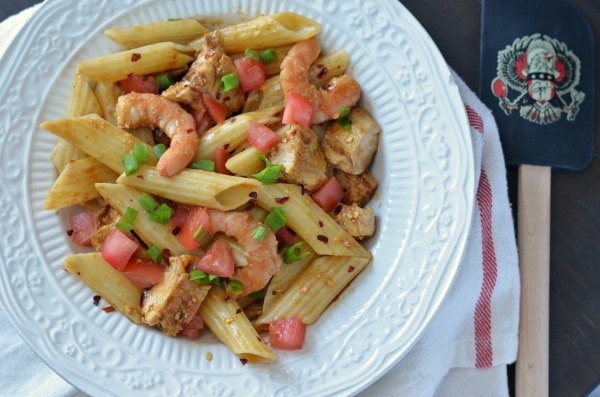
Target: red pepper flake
x,y
96,300
166,253
108,309
238,311
322,71
351,269
70,232
135,56
322,238
176,230
281,200
273,292
226,146
321,223
253,195
244,361
140,176
227,299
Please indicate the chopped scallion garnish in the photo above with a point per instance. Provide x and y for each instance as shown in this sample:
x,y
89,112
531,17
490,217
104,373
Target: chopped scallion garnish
x,y
343,118
202,236
259,233
235,286
127,220
260,294
164,81
130,163
344,112
229,82
154,253
148,202
268,56
293,253
202,164
198,276
159,149
248,53
276,218
162,214
140,151
270,173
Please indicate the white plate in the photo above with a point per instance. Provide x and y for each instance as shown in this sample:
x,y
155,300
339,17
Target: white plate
x,y
424,165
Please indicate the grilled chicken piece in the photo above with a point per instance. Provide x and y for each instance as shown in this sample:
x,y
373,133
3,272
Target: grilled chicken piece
x,y
302,159
105,220
358,222
352,150
204,78
173,303
358,189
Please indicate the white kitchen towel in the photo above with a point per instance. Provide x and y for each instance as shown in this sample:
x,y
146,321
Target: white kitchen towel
x,y
465,349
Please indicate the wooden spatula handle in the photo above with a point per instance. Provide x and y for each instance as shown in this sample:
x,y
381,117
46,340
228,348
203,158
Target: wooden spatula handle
x,y
533,236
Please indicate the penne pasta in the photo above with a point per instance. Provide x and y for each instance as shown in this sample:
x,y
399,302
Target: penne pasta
x,y
121,197
112,285
152,58
314,289
76,184
194,187
224,317
309,221
98,138
107,96
232,132
266,31
180,31
247,163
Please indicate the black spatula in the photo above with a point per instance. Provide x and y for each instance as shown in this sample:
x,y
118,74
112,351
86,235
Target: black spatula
x,y
537,75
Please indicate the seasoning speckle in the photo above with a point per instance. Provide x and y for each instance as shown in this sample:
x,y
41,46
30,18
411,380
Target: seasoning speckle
x,y
281,200
96,300
322,238
351,269
209,356
136,56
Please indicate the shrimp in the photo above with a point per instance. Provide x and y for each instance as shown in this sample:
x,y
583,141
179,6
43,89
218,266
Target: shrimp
x,y
263,258
328,100
141,109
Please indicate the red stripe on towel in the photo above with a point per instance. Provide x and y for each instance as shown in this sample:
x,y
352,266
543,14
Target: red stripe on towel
x,y
474,119
484,353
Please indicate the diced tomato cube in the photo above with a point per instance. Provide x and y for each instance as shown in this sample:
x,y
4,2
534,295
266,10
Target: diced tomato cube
x,y
144,274
297,110
262,137
220,158
203,120
218,260
139,83
118,248
179,216
216,109
197,217
251,74
285,236
328,195
193,328
287,333
81,228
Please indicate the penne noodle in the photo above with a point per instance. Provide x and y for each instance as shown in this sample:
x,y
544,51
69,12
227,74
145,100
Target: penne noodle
x,y
314,289
107,96
224,317
76,184
180,31
112,285
121,197
152,58
194,187
232,132
82,101
266,31
309,221
98,138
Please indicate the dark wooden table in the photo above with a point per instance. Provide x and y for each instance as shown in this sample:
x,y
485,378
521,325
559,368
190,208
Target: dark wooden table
x,y
575,213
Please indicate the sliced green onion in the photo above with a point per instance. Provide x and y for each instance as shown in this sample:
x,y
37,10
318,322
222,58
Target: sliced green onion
x,y
162,214
164,81
229,82
268,56
173,19
276,218
293,253
140,151
235,286
344,112
148,202
198,276
127,220
202,237
248,53
270,173
130,163
260,294
159,149
202,164
154,253
345,123
259,233
215,280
